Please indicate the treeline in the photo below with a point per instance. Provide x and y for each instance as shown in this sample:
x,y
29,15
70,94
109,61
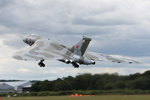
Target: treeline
x,y
88,81
2,80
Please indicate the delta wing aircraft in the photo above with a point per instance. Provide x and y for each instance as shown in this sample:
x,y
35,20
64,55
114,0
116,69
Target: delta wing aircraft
x,y
45,49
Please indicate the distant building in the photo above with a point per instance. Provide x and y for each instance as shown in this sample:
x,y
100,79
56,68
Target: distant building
x,y
5,88
19,87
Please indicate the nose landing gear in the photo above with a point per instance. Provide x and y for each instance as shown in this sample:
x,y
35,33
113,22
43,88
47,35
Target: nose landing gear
x,y
41,64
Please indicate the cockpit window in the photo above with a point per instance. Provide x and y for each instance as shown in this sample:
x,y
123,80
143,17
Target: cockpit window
x,y
34,35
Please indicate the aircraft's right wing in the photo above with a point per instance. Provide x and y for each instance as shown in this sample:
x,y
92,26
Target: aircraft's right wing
x,y
103,57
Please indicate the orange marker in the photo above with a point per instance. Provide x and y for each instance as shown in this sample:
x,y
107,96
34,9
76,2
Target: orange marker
x,y
72,95
76,95
80,95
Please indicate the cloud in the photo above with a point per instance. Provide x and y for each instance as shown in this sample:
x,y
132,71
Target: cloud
x,y
23,70
102,22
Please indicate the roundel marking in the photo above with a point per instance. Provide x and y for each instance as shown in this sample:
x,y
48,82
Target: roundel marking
x,y
30,41
104,55
34,53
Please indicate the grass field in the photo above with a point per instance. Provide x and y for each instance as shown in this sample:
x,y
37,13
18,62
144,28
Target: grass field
x,y
103,97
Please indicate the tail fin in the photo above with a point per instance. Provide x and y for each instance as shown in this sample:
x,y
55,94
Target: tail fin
x,y
81,46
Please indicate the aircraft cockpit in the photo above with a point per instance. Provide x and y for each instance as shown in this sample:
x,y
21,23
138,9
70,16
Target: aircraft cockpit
x,y
30,40
34,35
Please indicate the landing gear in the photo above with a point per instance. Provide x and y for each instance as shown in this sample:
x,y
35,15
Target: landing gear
x,y
41,64
75,65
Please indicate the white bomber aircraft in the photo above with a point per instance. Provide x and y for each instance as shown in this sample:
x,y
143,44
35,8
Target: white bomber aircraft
x,y
44,49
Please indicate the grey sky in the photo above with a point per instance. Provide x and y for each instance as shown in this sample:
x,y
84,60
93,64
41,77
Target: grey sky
x,y
117,27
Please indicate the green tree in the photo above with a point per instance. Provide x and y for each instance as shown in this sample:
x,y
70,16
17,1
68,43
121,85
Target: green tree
x,y
36,87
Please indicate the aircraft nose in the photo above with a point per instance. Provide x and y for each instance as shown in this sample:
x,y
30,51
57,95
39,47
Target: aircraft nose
x,y
17,57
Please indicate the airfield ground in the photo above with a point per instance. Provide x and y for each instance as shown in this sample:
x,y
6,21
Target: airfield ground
x,y
101,97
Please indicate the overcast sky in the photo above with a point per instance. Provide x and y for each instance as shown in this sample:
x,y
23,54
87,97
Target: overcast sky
x,y
117,27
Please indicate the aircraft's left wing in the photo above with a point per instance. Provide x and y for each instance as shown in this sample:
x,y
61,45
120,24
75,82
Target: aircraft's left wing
x,y
103,57
40,50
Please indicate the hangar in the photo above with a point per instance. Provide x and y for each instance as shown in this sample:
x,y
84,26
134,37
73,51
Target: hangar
x,y
19,86
5,88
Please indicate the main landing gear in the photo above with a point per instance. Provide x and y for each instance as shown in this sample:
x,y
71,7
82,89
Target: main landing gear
x,y
41,64
75,65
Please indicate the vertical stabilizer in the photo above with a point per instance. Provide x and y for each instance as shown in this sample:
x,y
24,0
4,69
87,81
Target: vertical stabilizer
x,y
81,46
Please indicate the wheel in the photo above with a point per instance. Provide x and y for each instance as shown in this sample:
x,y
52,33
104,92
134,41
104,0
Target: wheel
x,y
76,65
43,65
40,64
